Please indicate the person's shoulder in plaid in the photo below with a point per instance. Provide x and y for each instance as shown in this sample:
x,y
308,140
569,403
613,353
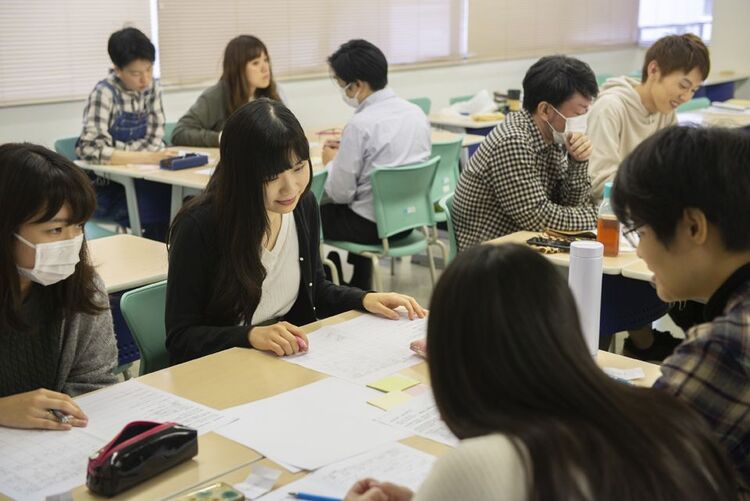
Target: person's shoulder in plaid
x,y
684,190
123,121
531,172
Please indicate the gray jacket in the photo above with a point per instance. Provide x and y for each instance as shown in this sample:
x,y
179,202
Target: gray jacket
x,y
201,125
89,350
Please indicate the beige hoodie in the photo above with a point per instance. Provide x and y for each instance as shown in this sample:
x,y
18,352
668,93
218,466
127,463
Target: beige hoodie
x,y
617,123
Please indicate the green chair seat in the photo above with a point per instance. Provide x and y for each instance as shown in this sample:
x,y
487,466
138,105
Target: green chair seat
x,y
423,102
414,243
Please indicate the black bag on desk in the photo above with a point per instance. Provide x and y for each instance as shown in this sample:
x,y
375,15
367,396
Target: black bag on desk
x,y
140,451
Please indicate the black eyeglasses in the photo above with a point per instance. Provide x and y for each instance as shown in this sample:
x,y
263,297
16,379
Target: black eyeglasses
x,y
631,235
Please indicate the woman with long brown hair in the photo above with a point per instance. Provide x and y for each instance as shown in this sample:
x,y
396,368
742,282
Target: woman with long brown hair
x,y
246,76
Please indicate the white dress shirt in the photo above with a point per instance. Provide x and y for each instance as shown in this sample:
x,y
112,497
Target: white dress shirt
x,y
385,131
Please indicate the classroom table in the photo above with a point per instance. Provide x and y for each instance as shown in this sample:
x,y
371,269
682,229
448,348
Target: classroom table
x,y
127,261
191,181
610,265
212,381
638,271
459,123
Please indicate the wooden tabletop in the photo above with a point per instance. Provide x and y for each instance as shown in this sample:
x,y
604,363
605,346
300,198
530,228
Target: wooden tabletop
x,y
461,121
610,265
638,271
126,261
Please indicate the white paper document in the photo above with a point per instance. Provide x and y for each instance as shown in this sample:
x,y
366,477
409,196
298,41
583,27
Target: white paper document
x,y
420,416
363,349
312,426
111,409
260,481
35,463
625,374
206,172
394,463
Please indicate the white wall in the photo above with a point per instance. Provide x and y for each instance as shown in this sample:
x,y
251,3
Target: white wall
x,y
316,102
730,40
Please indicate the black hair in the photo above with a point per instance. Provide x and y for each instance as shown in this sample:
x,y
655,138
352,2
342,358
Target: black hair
x,y
258,142
35,183
360,60
555,79
506,355
128,45
677,168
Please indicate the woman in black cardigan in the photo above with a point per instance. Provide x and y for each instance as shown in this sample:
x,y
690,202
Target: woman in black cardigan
x,y
227,241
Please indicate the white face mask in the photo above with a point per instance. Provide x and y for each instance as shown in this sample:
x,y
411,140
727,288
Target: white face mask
x,y
572,124
54,261
351,101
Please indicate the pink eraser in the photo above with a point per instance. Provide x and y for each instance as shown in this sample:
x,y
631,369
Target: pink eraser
x,y
301,343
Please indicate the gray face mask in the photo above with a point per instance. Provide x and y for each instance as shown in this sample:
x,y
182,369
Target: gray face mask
x,y
53,261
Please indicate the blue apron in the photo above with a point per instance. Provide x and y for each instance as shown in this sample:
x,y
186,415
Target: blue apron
x,y
153,198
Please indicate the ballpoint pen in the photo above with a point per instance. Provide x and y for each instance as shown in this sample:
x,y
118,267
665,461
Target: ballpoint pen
x,y
60,416
312,497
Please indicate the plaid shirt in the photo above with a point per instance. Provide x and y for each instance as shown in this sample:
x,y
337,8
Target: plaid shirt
x,y
517,181
96,145
711,370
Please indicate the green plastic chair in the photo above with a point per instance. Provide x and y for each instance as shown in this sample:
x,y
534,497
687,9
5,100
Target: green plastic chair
x,y
446,179
446,203
318,188
694,104
459,99
67,147
402,201
168,131
602,77
423,102
143,310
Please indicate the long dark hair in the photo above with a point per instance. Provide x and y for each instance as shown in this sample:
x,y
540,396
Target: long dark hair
x,y
240,51
259,141
34,184
507,356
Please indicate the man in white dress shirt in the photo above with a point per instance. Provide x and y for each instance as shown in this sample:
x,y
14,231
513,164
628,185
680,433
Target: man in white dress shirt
x,y
385,130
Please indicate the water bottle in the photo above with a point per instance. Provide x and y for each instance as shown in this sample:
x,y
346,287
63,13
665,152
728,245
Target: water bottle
x,y
585,281
607,225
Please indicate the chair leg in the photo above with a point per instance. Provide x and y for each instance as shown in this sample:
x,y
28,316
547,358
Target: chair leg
x,y
378,282
331,266
393,266
431,259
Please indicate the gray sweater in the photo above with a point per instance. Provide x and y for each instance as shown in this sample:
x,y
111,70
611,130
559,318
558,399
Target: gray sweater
x,y
201,125
89,350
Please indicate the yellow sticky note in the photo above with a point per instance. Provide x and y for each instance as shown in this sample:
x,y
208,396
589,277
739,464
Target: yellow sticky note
x,y
389,400
396,382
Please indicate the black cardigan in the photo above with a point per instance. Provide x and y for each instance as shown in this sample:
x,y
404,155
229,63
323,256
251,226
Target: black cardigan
x,y
193,262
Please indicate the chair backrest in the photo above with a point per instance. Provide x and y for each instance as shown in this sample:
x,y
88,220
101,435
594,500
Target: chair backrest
x,y
67,147
602,77
459,99
446,176
318,184
144,309
446,203
694,104
168,131
401,196
423,102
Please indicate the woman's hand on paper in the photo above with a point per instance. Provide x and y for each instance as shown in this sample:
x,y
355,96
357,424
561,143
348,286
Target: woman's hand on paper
x,y
282,338
32,410
383,304
372,490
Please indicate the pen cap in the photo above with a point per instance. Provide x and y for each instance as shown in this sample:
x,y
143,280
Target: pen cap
x,y
585,281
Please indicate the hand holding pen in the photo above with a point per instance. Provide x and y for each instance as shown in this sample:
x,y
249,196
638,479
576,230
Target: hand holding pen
x,y
41,409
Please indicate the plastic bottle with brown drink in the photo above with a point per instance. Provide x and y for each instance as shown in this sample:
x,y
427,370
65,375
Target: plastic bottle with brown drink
x,y
607,225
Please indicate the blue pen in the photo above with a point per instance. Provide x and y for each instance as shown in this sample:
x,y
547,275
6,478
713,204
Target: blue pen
x,y
312,497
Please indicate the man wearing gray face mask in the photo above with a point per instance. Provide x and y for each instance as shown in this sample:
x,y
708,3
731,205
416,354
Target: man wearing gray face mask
x,y
531,171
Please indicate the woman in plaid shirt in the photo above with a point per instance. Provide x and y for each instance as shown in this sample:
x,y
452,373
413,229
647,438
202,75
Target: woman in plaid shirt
x,y
685,192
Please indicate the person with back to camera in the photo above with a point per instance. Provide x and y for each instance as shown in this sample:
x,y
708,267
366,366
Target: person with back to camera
x,y
537,418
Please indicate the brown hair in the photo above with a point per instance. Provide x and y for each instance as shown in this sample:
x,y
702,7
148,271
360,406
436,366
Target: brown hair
x,y
678,52
240,51
34,184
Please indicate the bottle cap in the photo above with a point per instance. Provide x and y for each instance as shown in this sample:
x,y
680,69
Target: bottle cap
x,y
607,189
586,249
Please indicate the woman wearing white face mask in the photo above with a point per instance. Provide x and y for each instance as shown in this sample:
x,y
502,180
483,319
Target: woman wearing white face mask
x,y
56,336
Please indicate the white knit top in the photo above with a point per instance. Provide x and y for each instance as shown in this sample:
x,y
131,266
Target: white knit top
x,y
280,288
